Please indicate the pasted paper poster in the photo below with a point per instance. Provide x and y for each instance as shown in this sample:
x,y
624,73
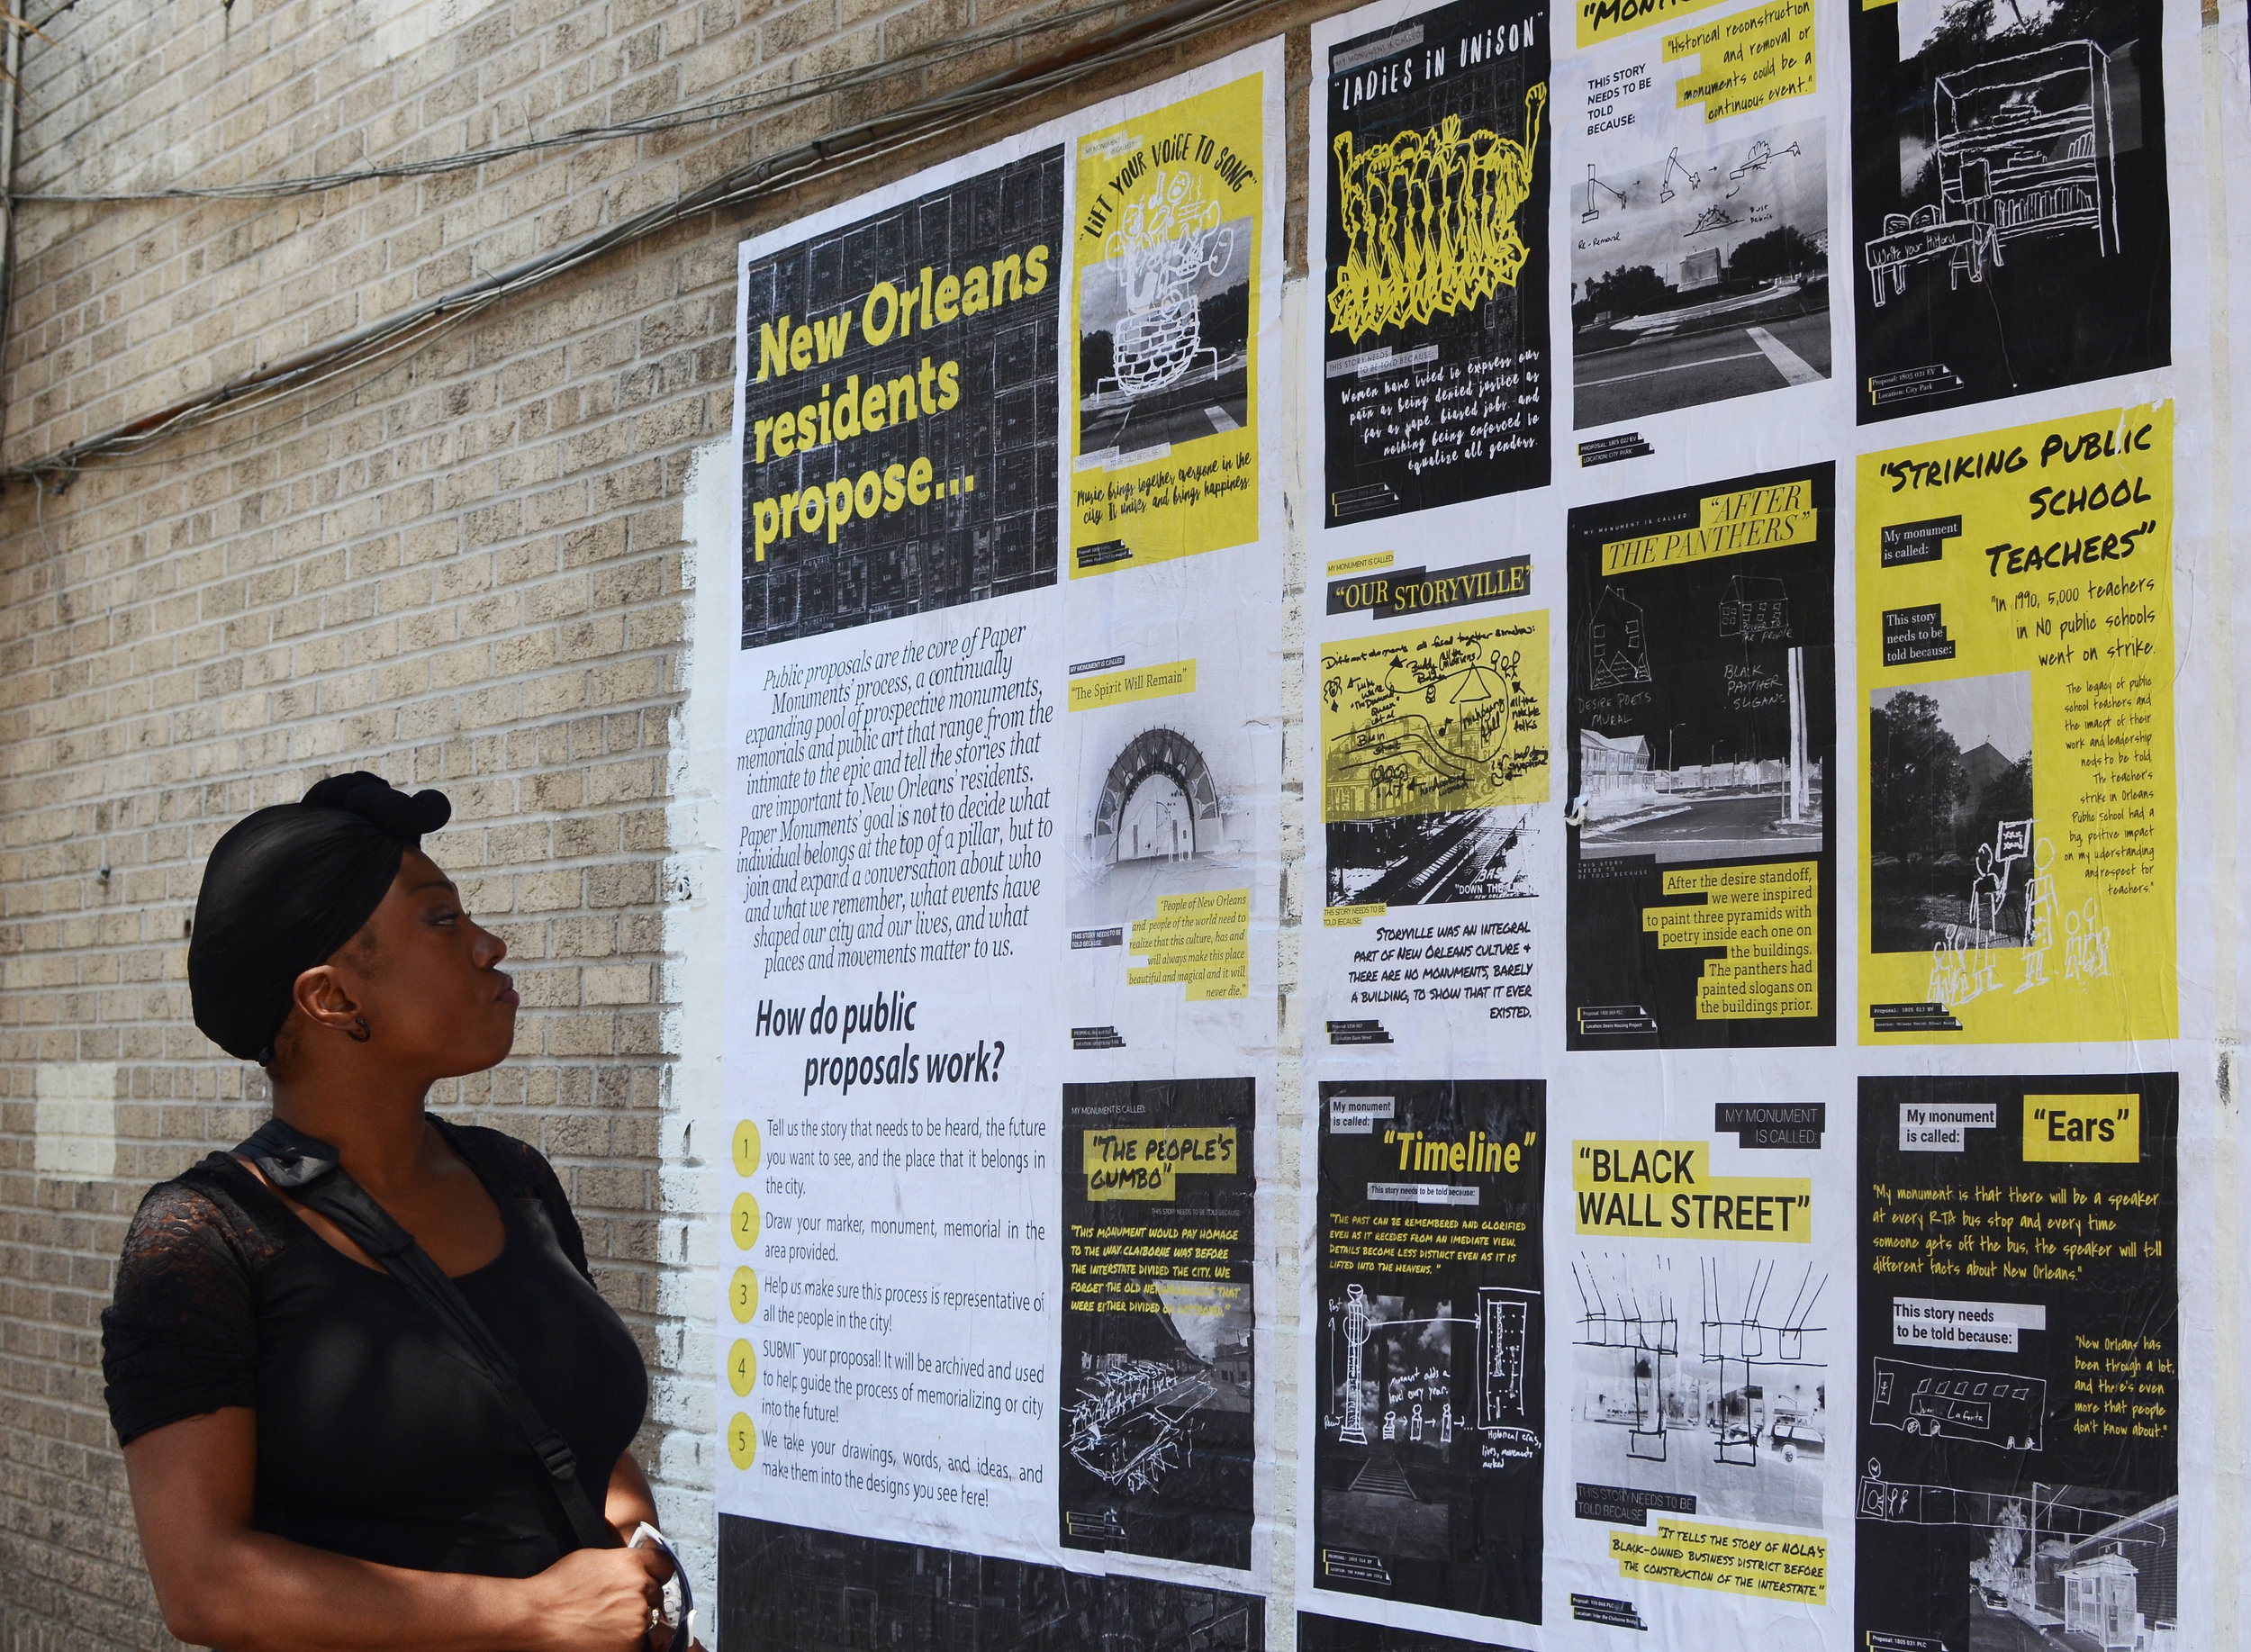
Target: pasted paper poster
x,y
1702,736
1699,221
1159,1311
795,1588
1167,227
935,750
1707,1322
2011,227
2017,675
1432,169
1431,1345
1171,817
2019,1370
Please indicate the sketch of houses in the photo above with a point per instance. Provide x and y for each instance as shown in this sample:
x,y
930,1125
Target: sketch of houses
x,y
1756,609
1617,642
2026,146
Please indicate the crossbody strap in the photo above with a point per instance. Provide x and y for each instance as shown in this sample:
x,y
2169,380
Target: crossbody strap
x,y
307,1171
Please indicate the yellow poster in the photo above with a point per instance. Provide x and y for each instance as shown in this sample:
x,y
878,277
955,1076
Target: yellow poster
x,y
2016,667
1164,444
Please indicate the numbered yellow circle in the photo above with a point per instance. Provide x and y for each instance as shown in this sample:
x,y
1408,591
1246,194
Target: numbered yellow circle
x,y
748,1149
744,1222
742,1440
742,1366
742,1295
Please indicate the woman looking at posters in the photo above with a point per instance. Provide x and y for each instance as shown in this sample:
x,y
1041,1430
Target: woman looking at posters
x,y
321,1455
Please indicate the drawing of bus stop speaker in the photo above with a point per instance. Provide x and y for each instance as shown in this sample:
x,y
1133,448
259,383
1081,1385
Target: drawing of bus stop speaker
x,y
1169,241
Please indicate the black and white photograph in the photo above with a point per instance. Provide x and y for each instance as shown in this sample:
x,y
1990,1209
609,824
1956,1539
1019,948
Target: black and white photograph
x,y
1953,834
1701,274
1432,1344
1164,327
1733,768
1156,1426
1416,860
1436,378
2011,227
1700,1384
813,1590
894,462
2017,1430
1161,805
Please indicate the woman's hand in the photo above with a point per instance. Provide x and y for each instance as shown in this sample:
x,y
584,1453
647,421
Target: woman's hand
x,y
598,1600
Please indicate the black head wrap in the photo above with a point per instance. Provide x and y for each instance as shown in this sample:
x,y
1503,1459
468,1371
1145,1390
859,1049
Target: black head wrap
x,y
286,886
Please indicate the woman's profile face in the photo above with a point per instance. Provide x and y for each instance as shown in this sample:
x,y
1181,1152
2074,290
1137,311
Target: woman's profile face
x,y
428,978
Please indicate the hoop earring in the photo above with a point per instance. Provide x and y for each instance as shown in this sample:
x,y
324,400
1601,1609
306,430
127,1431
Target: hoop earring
x,y
359,1032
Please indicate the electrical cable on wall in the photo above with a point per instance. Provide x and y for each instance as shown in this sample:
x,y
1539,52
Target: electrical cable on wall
x,y
933,117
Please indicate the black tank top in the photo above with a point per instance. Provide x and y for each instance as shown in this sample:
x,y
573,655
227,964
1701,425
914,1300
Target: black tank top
x,y
375,1438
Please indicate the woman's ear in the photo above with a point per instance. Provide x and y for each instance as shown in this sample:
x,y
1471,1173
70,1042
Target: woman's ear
x,y
323,998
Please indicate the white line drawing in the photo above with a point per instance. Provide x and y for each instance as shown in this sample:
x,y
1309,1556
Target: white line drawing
x,y
1129,1425
1159,800
1594,209
1963,965
1744,1334
1973,1403
1419,1401
1617,642
2026,146
1168,239
2055,1558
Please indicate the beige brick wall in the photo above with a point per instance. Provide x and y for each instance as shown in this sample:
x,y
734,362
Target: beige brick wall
x,y
464,567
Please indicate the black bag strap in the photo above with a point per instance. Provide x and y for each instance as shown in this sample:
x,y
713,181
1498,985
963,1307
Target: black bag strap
x,y
307,1171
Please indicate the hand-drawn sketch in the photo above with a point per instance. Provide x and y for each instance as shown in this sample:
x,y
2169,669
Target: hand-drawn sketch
x,y
1702,731
1430,221
1975,1403
1131,1420
1169,241
1767,796
1724,1402
1435,746
2008,200
1161,765
1164,327
2024,149
2017,1430
1708,281
2062,1565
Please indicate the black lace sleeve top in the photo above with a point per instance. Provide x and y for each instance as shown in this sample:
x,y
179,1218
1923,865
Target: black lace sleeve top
x,y
375,1438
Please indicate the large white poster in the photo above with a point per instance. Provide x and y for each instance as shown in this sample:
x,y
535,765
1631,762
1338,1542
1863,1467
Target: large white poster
x,y
1005,820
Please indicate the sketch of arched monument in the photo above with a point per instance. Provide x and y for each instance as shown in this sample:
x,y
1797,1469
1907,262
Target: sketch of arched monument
x,y
1159,800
